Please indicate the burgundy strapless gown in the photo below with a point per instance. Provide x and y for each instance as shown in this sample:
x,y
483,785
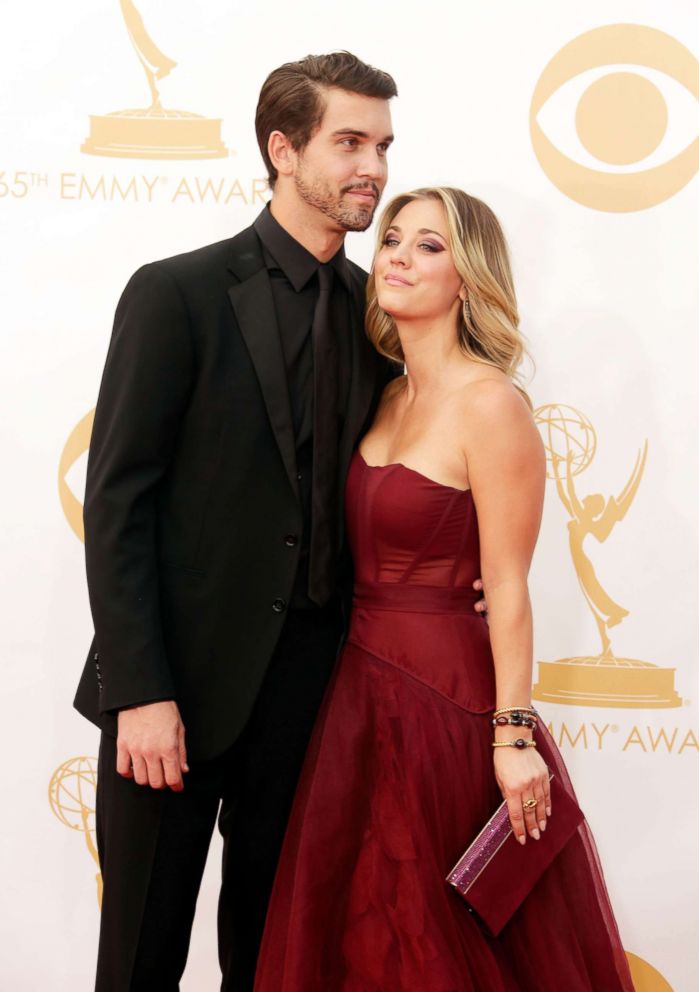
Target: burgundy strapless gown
x,y
399,779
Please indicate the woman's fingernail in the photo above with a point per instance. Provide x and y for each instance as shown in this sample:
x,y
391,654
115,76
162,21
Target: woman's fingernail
x,y
535,834
522,839
548,811
542,824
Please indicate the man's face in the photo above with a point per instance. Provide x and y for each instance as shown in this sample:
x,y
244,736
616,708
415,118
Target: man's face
x,y
342,171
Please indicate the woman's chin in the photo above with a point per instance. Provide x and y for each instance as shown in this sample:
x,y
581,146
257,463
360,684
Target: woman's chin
x,y
390,305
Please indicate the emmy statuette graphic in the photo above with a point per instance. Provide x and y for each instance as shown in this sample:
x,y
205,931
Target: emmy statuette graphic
x,y
153,132
602,679
72,799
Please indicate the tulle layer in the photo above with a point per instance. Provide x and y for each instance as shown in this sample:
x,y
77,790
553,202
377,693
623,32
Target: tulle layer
x,y
398,780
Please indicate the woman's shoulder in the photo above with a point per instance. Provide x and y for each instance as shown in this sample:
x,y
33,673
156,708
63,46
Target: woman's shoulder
x,y
493,412
491,394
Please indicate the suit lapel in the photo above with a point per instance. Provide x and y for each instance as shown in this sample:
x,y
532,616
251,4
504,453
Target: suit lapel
x,y
253,306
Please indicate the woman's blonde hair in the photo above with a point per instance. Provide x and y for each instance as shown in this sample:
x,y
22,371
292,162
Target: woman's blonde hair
x,y
488,325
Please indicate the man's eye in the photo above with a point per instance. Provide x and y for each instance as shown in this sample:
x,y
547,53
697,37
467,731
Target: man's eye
x,y
383,147
349,141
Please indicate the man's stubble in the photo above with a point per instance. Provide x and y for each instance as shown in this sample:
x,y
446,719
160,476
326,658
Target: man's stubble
x,y
315,191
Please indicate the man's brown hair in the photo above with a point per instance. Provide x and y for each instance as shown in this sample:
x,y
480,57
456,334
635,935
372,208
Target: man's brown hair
x,y
291,98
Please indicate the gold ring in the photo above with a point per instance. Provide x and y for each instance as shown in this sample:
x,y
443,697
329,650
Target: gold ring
x,y
530,803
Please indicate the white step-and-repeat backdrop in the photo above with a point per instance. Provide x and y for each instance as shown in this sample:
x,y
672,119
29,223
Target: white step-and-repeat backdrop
x,y
578,124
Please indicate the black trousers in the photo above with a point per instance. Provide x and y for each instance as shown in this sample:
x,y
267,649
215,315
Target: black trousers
x,y
153,844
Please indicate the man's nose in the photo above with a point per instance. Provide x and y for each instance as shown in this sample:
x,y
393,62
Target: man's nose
x,y
372,165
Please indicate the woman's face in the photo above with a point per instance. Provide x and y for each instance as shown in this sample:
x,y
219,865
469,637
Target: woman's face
x,y
414,270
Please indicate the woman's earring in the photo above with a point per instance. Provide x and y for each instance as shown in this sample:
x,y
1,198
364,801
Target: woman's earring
x,y
467,310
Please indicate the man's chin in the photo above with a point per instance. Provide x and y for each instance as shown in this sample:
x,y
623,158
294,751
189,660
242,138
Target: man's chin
x,y
358,219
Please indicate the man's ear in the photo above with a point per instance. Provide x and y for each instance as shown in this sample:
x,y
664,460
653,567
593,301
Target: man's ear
x,y
281,153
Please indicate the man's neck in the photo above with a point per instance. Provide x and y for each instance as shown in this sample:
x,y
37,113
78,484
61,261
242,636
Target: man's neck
x,y
306,224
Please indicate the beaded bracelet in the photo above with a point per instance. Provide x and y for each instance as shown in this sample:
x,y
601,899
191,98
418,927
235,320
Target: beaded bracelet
x,y
520,743
516,720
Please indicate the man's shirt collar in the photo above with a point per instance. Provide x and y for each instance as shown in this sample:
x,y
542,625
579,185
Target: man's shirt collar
x,y
295,261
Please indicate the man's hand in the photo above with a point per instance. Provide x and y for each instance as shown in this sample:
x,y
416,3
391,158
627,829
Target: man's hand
x,y
481,606
150,745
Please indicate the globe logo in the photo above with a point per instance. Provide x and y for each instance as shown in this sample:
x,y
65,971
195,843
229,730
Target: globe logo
x,y
566,432
72,791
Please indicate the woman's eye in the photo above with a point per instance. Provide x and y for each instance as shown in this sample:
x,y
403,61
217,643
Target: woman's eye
x,y
390,241
430,246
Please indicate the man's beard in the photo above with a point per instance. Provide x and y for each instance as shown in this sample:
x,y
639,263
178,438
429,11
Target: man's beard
x,y
350,217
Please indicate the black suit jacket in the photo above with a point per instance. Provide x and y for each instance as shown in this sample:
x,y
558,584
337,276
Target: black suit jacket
x,y
192,490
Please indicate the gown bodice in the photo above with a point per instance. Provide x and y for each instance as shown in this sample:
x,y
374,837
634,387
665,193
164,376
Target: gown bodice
x,y
405,528
416,555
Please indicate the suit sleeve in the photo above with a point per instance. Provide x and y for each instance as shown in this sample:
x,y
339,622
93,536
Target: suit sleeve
x,y
143,397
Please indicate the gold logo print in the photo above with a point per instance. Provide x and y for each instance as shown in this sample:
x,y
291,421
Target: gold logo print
x,y
603,679
72,800
152,132
645,977
620,119
76,445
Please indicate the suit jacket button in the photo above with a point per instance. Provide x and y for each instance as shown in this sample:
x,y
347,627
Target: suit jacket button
x,y
291,540
279,605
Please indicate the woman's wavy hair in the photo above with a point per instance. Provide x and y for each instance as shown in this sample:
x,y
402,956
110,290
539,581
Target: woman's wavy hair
x,y
489,326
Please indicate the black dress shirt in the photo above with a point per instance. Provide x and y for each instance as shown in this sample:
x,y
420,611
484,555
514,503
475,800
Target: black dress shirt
x,y
293,273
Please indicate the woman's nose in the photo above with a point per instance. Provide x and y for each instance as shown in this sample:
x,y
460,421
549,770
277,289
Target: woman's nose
x,y
400,256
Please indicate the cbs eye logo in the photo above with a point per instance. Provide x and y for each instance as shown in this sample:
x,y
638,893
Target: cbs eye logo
x,y
621,118
75,447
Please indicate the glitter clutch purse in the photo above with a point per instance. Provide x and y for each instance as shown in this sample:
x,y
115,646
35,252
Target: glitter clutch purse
x,y
496,873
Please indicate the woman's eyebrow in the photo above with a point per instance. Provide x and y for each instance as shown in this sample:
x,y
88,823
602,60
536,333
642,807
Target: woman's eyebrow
x,y
423,230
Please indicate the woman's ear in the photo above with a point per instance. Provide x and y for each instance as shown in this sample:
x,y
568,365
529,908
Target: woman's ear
x,y
463,294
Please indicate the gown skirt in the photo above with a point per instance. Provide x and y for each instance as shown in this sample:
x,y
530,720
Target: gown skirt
x,y
398,780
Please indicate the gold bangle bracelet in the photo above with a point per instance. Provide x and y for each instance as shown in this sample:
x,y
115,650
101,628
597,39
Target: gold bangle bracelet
x,y
515,709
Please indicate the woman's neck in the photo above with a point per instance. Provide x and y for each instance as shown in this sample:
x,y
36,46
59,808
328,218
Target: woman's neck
x,y
430,351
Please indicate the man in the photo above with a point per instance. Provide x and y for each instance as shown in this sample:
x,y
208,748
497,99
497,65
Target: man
x,y
233,395
237,383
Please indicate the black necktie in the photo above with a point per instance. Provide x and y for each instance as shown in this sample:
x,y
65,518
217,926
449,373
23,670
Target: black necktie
x,y
321,581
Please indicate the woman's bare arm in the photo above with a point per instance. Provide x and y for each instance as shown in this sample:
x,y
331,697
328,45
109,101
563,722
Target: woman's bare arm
x,y
507,474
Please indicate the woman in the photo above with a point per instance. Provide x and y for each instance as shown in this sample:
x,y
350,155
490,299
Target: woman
x,y
401,774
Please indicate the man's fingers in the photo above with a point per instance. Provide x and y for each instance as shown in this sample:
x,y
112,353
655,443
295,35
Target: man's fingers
x,y
123,761
140,771
150,745
156,778
480,606
173,773
182,749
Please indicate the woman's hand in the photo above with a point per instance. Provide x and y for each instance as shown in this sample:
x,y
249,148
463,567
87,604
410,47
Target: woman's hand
x,y
522,775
